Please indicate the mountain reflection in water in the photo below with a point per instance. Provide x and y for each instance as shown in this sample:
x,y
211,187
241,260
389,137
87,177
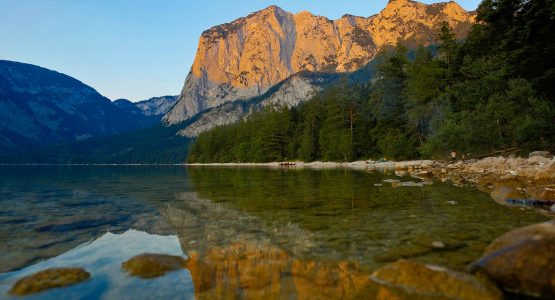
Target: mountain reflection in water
x,y
102,258
247,233
226,259
237,256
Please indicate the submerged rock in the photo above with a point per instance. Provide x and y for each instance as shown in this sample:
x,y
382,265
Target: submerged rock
x,y
522,261
438,244
543,193
47,279
538,197
503,194
406,279
149,265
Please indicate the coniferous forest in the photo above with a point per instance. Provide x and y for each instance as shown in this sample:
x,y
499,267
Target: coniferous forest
x,y
495,90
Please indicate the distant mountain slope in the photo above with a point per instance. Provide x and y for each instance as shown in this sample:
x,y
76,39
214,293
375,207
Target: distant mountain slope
x,y
153,145
156,106
245,58
40,106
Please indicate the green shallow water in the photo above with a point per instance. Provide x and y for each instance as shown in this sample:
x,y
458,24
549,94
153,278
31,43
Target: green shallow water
x,y
250,232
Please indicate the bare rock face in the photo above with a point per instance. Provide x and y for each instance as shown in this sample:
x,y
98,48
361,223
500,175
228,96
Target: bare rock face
x,y
157,106
289,93
244,58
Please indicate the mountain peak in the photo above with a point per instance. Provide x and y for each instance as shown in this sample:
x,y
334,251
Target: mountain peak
x,y
270,9
246,57
398,2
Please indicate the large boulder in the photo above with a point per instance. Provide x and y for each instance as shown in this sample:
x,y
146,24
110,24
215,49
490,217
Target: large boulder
x,y
153,265
406,279
47,279
522,261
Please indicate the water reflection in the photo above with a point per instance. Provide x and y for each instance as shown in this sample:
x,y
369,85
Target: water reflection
x,y
102,258
234,255
247,233
343,215
48,210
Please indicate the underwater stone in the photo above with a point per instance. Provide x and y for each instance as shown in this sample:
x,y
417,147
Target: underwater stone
x,y
47,279
149,265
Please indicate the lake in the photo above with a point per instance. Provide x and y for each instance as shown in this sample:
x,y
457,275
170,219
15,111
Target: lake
x,y
246,232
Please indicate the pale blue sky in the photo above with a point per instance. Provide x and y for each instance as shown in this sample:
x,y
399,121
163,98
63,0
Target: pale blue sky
x,y
135,49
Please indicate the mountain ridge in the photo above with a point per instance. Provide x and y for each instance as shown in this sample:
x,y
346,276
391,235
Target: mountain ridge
x,y
244,58
42,106
154,106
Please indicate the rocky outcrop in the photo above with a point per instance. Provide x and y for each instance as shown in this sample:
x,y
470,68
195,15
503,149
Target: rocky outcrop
x,y
244,58
522,261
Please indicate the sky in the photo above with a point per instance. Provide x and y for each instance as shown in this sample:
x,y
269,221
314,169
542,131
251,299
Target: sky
x,y
135,49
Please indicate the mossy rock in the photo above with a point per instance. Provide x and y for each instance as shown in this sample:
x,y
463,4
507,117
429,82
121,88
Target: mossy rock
x,y
47,279
149,265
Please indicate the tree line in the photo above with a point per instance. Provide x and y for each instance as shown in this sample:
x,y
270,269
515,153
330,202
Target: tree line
x,y
494,90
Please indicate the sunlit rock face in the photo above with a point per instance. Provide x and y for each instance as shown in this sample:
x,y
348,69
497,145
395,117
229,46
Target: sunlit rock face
x,y
244,58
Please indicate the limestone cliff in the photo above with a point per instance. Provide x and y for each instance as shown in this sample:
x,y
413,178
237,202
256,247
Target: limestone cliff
x,y
287,93
246,57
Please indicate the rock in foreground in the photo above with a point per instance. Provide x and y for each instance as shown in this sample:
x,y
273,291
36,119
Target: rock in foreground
x,y
406,279
153,265
47,279
522,261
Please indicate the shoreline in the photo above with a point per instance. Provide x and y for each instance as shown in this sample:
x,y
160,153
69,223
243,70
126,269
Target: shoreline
x,y
361,164
517,181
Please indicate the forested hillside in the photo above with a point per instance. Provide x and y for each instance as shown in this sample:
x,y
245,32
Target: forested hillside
x,y
154,145
492,91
